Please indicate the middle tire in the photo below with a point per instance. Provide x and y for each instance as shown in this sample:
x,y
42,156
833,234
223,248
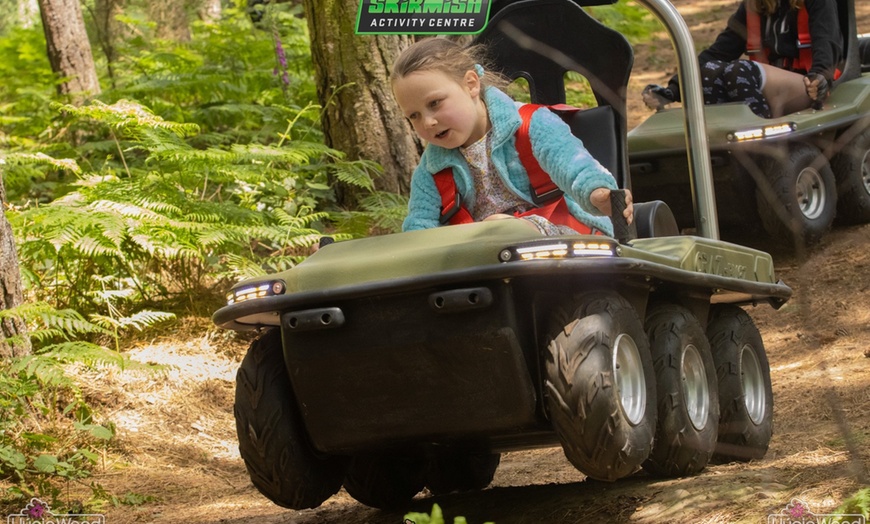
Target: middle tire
x,y
384,481
600,386
456,470
688,403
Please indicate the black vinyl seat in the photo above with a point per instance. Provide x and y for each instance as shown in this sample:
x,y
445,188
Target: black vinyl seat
x,y
541,40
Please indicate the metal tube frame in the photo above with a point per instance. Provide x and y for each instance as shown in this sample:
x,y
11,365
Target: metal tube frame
x,y
700,170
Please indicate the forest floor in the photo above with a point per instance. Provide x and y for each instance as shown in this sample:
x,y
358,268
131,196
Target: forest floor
x,y
176,442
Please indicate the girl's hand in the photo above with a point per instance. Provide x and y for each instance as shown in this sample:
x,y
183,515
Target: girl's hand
x,y
600,198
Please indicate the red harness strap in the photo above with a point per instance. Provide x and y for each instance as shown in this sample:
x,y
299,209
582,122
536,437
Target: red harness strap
x,y
758,53
545,193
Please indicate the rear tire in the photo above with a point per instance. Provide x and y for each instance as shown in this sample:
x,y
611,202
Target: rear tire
x,y
797,202
280,460
688,403
600,386
450,471
384,481
852,170
745,390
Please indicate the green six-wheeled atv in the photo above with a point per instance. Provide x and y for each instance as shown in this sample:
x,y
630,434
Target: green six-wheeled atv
x,y
407,361
785,179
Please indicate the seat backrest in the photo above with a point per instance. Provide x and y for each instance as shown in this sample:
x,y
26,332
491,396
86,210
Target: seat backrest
x,y
540,40
596,128
851,67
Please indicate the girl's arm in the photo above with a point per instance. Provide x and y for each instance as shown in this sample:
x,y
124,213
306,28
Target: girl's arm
x,y
568,163
424,206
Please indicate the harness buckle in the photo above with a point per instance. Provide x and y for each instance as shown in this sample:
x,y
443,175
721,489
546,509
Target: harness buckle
x,y
455,206
550,192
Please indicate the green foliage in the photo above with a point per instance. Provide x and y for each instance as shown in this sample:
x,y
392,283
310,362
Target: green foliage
x,y
170,220
436,517
48,433
635,22
857,504
205,163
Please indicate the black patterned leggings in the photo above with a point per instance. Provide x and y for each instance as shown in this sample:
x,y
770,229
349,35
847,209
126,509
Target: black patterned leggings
x,y
737,81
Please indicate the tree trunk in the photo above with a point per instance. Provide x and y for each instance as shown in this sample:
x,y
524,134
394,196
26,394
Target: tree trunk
x,y
69,50
171,19
109,30
362,120
10,288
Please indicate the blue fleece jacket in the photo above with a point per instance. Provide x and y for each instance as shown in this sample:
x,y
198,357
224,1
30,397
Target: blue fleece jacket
x,y
559,153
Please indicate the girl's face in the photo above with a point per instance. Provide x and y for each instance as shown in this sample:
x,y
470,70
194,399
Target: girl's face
x,y
443,111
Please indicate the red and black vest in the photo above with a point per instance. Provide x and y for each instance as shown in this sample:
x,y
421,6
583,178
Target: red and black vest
x,y
548,198
758,53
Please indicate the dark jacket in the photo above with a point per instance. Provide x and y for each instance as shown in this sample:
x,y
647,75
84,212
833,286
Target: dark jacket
x,y
780,36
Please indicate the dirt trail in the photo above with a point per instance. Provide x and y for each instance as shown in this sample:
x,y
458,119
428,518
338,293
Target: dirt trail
x,y
177,436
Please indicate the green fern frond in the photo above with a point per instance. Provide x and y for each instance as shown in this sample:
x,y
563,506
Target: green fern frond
x,y
145,319
41,159
47,364
127,116
359,173
126,209
239,267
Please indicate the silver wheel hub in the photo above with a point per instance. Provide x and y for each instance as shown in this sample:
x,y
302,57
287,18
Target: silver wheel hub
x,y
752,380
811,197
696,392
865,171
629,377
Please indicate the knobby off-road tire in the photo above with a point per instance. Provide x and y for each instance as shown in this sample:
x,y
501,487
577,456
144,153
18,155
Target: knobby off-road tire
x,y
797,202
279,458
384,481
450,470
852,170
745,391
600,386
686,387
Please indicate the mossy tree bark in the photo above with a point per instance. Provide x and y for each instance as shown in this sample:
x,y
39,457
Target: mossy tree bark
x,y
361,118
10,289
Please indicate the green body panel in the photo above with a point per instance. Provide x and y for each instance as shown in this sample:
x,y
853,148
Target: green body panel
x,y
664,132
702,255
422,253
407,254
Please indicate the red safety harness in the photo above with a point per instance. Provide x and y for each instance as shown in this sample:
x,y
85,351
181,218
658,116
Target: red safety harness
x,y
545,193
759,53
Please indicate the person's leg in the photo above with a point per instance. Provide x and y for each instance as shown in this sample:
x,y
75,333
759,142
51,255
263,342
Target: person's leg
x,y
744,82
784,90
712,83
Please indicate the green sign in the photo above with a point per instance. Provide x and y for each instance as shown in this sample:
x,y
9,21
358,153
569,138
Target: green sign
x,y
422,17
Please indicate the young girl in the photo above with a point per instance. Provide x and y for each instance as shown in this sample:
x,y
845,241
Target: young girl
x,y
469,126
778,80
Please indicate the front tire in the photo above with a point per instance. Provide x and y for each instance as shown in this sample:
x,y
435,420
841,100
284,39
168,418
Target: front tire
x,y
745,390
852,169
280,460
797,202
600,386
688,403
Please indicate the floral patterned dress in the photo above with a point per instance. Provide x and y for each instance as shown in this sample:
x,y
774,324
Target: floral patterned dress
x,y
493,195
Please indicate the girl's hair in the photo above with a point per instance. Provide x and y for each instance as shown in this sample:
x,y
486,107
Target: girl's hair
x,y
767,7
452,59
